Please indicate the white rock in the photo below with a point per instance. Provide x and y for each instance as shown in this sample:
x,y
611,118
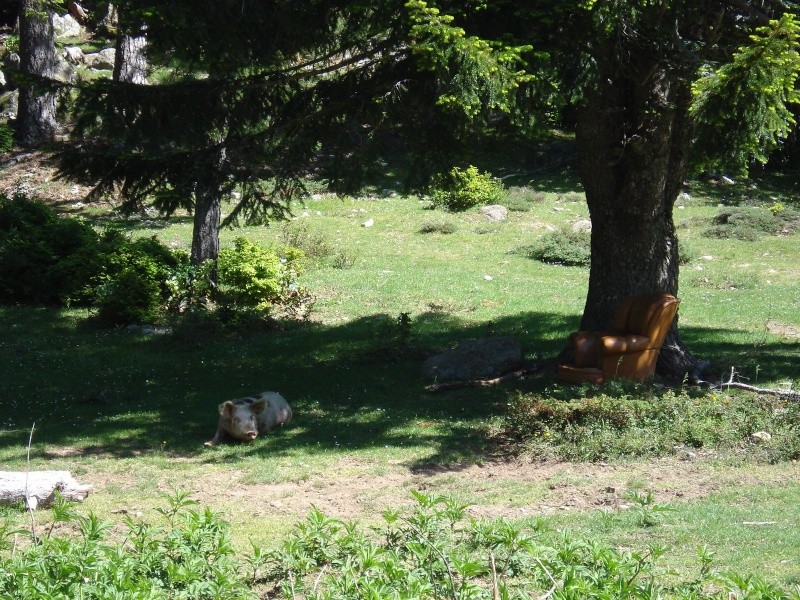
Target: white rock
x,y
488,277
495,212
66,26
727,180
73,54
760,437
582,225
368,223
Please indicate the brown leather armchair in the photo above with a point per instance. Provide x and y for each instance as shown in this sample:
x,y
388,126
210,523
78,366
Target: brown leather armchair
x,y
629,351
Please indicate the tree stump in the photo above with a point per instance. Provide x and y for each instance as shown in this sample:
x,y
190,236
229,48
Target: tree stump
x,y
37,488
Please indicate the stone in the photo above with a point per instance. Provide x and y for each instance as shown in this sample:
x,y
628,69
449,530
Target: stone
x,y
66,26
74,55
760,437
368,223
475,359
582,225
103,60
495,212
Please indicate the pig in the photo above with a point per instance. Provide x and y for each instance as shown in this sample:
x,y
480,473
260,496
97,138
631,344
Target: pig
x,y
243,419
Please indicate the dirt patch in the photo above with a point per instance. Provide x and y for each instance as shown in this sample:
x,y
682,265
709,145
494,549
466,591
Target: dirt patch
x,y
496,489
786,331
33,174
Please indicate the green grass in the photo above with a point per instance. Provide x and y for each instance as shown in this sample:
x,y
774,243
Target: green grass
x,y
130,412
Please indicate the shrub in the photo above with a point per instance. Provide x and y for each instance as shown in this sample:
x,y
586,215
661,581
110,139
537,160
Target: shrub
x,y
562,247
438,227
132,283
259,278
463,189
44,259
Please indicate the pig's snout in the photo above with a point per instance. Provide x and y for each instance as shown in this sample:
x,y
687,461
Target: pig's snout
x,y
251,435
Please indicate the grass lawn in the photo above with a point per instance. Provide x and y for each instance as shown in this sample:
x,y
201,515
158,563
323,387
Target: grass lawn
x,y
128,412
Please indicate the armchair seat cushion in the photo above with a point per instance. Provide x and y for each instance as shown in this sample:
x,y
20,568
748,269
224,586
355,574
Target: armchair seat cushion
x,y
623,344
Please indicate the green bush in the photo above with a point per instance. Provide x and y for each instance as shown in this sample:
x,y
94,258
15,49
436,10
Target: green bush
x,y
463,189
562,247
132,283
254,277
44,259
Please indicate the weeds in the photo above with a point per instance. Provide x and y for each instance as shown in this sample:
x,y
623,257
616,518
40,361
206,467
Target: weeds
x,y
434,550
629,420
190,557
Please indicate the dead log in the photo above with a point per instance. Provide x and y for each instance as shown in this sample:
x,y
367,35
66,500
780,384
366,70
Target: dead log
x,y
38,488
791,394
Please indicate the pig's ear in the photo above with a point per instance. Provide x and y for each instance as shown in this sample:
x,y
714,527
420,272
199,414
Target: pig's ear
x,y
226,409
259,405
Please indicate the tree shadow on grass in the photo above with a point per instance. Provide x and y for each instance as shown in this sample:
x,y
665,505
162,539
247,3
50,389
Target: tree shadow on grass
x,y
353,386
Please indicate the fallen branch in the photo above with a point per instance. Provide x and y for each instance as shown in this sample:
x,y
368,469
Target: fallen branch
x,y
523,373
38,488
751,388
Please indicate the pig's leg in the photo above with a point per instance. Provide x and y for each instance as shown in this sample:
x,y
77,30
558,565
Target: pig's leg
x,y
220,436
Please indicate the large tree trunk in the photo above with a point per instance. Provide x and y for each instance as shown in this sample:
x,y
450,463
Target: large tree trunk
x,y
36,116
632,142
130,64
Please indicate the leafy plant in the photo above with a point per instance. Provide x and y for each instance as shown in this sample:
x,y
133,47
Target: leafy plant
x,y
190,557
463,189
749,223
433,550
646,510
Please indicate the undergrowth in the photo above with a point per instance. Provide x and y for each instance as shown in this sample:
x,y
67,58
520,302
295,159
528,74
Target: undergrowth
x,y
625,419
433,549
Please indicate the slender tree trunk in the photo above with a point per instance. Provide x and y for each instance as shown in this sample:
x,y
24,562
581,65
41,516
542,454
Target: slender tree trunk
x,y
632,148
207,212
36,116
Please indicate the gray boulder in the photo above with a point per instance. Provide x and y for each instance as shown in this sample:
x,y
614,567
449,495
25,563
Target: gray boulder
x,y
475,359
495,212
103,60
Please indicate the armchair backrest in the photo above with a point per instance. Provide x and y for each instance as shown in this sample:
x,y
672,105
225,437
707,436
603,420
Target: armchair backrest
x,y
650,315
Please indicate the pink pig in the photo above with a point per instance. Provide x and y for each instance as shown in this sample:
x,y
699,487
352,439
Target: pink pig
x,y
244,418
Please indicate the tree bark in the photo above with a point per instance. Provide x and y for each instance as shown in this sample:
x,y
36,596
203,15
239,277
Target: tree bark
x,y
36,116
130,64
632,139
209,192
